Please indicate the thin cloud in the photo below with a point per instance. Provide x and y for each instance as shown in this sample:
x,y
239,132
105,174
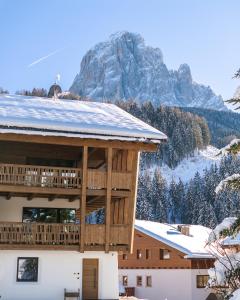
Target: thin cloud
x,y
44,57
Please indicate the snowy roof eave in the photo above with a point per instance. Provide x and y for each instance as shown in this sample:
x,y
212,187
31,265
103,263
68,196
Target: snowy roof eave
x,y
66,117
31,131
199,256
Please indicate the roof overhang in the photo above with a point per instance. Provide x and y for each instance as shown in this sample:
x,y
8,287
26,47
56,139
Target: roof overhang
x,y
58,138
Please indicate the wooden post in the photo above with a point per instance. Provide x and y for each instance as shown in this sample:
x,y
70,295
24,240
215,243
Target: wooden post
x,y
133,199
108,199
83,197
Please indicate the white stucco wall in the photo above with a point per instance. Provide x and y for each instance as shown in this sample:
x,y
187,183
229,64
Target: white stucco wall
x,y
174,284
11,210
55,272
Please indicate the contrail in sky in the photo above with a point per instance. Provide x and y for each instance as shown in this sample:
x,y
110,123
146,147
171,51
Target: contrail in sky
x,y
44,57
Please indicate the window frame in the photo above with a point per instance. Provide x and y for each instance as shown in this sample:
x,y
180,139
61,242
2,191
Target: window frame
x,y
199,286
123,282
147,283
137,282
139,254
148,254
162,255
58,213
26,280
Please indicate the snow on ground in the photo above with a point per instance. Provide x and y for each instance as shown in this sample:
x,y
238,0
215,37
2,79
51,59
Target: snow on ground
x,y
187,168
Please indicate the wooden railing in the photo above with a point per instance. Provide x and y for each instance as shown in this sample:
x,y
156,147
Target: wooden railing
x,y
97,179
39,234
56,177
40,176
53,234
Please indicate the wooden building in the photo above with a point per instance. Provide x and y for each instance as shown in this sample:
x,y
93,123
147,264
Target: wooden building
x,y
62,161
167,262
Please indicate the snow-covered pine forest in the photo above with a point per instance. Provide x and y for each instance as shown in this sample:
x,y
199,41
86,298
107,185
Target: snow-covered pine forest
x,y
193,201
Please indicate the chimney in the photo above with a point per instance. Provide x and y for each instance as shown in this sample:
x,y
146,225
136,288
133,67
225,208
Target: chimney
x,y
184,229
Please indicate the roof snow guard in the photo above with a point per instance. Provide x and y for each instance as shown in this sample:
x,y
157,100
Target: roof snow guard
x,y
72,118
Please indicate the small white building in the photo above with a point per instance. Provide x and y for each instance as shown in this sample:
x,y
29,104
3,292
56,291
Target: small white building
x,y
61,161
169,262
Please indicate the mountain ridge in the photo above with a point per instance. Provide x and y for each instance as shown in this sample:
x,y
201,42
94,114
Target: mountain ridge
x,y
124,67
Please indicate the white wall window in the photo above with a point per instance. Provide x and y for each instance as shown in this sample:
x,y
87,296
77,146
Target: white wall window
x,y
27,269
148,281
125,280
139,280
202,281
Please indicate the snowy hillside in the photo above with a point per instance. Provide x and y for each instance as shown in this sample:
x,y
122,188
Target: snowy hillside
x,y
187,168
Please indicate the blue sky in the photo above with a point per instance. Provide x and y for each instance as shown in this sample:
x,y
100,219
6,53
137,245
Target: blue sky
x,y
205,34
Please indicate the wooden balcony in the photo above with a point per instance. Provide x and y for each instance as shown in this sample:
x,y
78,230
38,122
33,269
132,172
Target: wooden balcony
x,y
16,235
66,182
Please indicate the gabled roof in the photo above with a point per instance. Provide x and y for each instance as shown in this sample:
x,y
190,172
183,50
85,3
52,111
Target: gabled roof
x,y
193,245
44,116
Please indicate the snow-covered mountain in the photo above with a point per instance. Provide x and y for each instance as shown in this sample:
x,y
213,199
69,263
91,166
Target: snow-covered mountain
x,y
124,67
187,168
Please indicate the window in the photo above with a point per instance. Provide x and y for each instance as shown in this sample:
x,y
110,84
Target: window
x,y
49,215
125,256
139,254
148,281
148,253
202,281
125,280
27,269
164,254
139,280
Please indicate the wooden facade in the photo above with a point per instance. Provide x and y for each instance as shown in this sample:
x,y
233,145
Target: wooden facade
x,y
147,254
97,174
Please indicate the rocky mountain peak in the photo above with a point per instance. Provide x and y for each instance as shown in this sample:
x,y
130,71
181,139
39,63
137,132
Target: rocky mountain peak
x,y
184,72
124,67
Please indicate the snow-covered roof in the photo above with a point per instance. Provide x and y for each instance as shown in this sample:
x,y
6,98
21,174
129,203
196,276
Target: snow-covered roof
x,y
194,245
44,116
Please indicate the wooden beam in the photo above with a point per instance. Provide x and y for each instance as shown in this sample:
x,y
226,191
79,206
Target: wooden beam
x,y
27,191
76,141
8,196
83,197
52,197
133,198
73,198
30,197
108,198
37,190
94,199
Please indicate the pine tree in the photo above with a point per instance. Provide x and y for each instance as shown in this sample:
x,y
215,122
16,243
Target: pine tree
x,y
159,197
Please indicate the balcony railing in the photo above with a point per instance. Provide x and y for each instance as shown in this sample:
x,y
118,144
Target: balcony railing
x,y
40,176
52,234
57,177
